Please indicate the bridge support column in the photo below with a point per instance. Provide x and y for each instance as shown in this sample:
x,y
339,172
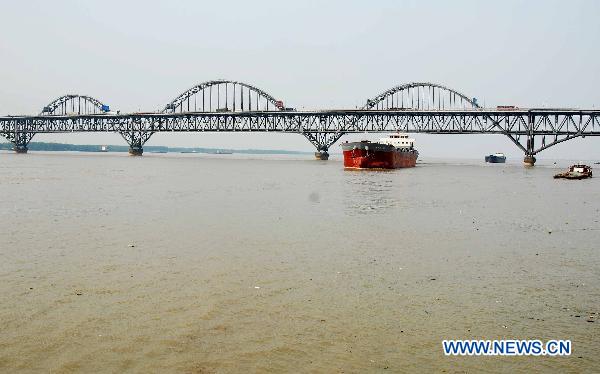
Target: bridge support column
x,y
322,141
322,154
529,159
136,141
20,140
20,148
136,150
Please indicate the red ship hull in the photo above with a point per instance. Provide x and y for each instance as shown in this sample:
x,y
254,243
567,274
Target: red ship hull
x,y
363,155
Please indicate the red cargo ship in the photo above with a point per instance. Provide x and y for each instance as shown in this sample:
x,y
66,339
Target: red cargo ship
x,y
395,151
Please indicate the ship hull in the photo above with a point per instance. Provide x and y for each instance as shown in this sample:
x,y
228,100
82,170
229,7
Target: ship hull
x,y
495,159
367,155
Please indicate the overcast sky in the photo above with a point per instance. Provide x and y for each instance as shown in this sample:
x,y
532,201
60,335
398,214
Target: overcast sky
x,y
138,55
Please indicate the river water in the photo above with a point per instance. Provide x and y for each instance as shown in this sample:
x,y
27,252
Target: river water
x,y
199,264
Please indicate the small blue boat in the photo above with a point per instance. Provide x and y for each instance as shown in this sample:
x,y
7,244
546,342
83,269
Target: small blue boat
x,y
496,158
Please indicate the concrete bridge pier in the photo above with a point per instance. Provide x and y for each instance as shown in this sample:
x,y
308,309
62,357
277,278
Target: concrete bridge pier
x,y
19,139
20,148
529,160
322,142
136,150
322,154
136,141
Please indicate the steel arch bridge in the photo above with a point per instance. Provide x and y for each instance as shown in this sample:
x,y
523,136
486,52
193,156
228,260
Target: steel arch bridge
x,y
212,95
421,95
70,104
74,104
232,106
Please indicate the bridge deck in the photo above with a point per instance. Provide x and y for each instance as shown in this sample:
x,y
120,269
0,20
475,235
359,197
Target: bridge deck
x,y
323,127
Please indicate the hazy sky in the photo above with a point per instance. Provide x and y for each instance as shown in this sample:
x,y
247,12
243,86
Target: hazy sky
x,y
138,55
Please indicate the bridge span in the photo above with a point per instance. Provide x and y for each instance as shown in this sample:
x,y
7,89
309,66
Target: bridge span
x,y
230,106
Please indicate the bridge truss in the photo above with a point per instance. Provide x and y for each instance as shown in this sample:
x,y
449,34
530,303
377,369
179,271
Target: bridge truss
x,y
411,108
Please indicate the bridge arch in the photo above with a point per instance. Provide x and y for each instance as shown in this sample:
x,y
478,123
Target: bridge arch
x,y
223,96
74,104
421,96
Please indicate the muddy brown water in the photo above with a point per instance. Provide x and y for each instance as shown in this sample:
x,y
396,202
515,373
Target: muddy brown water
x,y
197,263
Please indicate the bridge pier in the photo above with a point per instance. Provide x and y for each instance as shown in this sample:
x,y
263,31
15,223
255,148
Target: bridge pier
x,y
19,139
529,160
322,155
136,151
20,148
136,141
322,141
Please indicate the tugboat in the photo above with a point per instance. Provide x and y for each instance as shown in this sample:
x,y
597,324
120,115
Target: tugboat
x,y
578,171
395,151
496,158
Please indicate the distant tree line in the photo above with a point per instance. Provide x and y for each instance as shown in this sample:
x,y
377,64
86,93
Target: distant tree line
x,y
63,147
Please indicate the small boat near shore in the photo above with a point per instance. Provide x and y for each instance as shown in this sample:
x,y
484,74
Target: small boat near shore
x,y
578,171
